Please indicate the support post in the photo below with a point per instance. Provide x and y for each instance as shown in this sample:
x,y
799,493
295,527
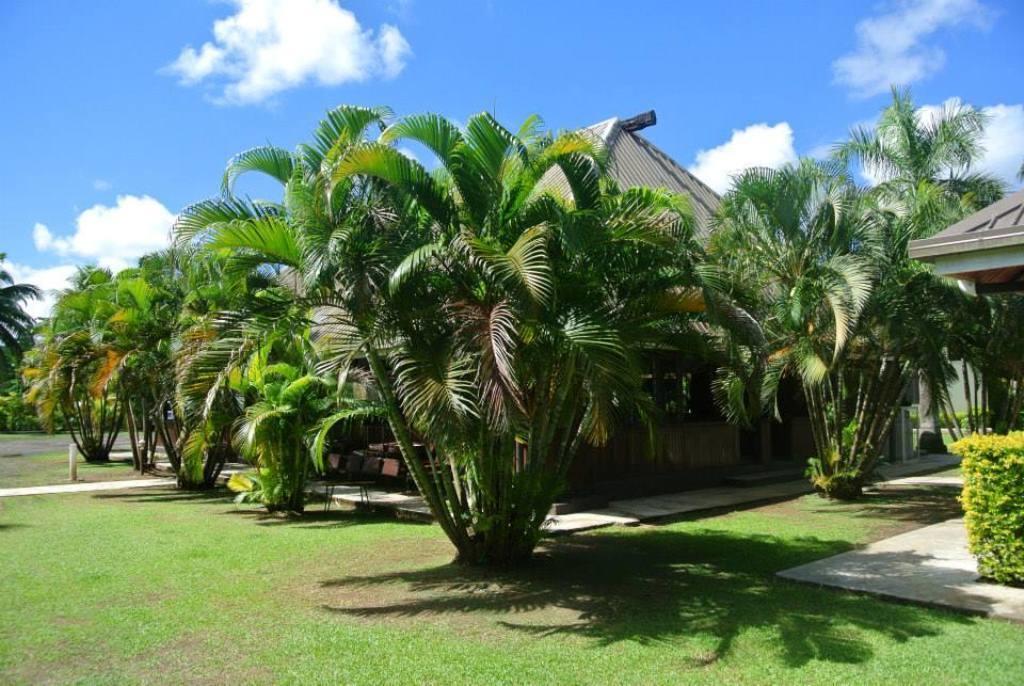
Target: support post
x,y
72,462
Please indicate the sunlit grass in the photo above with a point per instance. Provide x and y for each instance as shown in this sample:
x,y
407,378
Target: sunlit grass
x,y
161,586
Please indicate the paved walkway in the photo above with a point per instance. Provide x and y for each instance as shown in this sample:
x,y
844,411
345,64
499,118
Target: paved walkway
x,y
633,511
87,487
930,566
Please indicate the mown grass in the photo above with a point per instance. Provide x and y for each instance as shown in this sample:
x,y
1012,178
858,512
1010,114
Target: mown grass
x,y
51,467
167,587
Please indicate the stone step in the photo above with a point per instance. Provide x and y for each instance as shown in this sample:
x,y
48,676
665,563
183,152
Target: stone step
x,y
776,476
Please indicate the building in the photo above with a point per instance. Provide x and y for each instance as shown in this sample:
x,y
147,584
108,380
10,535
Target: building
x,y
693,445
984,251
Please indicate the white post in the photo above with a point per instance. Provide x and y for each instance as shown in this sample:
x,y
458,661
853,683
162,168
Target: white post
x,y
72,463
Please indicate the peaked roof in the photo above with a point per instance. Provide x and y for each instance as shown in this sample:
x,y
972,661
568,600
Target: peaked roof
x,y
986,247
634,161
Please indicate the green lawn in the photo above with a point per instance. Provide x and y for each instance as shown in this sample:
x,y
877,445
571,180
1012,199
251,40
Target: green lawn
x,y
160,586
46,468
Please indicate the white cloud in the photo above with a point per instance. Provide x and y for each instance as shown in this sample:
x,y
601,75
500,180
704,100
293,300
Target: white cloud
x,y
409,153
891,47
48,279
102,185
112,236
1004,142
758,145
269,46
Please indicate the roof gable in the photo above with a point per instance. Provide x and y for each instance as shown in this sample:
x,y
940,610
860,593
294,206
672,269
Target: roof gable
x,y
634,161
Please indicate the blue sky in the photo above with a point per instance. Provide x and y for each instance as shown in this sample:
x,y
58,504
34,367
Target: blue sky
x,y
116,115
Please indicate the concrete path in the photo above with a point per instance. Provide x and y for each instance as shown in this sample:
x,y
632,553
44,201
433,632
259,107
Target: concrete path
x,y
930,566
87,487
634,511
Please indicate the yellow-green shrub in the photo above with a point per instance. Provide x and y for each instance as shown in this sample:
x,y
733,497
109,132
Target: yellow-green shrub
x,y
993,501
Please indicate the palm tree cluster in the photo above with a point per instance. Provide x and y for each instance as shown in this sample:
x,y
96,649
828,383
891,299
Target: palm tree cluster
x,y
495,308
843,308
494,311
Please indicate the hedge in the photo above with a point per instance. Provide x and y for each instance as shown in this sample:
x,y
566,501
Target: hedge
x,y
993,500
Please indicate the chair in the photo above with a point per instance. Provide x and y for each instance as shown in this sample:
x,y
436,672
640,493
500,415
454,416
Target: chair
x,y
394,468
354,474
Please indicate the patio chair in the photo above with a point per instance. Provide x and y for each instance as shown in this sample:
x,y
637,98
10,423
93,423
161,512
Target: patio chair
x,y
393,468
354,474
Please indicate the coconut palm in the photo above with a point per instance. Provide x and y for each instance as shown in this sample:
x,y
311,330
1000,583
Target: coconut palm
x,y
909,147
499,303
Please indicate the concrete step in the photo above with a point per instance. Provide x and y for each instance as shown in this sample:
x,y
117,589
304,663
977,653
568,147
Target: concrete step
x,y
775,476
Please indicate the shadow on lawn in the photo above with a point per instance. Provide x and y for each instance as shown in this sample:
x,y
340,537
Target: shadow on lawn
x,y
313,517
918,505
654,586
167,495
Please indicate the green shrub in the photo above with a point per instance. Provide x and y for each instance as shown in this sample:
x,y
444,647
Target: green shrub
x,y
16,414
993,501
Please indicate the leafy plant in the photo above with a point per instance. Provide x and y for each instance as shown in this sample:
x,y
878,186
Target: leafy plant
x,y
71,370
993,468
498,305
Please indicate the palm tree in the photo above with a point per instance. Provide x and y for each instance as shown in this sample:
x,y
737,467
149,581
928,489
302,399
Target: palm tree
x,y
908,148
273,430
924,163
62,371
499,303
794,236
15,324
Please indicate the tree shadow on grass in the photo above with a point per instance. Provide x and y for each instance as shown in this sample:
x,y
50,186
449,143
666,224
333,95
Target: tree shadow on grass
x,y
313,518
650,587
918,505
167,495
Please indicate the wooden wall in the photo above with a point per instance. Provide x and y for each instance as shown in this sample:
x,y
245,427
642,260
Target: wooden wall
x,y
676,449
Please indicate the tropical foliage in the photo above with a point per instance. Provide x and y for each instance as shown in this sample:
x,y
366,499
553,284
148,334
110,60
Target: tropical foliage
x,y
923,161
842,306
498,304
495,310
993,468
15,323
68,371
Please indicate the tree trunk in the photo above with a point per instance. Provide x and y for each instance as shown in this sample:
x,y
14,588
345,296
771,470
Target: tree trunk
x,y
929,438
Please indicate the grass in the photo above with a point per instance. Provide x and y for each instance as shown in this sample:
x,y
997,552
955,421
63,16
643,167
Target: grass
x,y
163,587
48,468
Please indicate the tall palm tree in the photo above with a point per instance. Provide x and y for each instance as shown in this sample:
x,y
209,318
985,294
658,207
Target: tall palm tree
x,y
15,324
924,163
909,147
499,303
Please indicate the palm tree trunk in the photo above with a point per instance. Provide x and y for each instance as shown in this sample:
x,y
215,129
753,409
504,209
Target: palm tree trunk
x,y
929,438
